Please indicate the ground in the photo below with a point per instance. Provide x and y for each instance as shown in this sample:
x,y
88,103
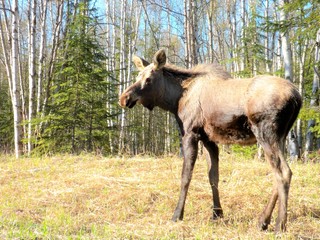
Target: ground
x,y
95,197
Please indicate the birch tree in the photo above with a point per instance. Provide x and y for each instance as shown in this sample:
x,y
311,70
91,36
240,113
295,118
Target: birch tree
x,y
122,75
190,24
288,73
267,39
16,101
32,57
6,44
210,15
57,24
314,102
41,58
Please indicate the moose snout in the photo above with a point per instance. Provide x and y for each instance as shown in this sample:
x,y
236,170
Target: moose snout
x,y
127,100
123,100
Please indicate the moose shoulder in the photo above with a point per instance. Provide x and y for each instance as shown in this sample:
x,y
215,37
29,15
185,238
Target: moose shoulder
x,y
212,107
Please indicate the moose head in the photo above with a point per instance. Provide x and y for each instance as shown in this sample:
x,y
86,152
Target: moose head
x,y
149,85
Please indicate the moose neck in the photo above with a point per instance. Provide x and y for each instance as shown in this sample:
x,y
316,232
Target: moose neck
x,y
174,79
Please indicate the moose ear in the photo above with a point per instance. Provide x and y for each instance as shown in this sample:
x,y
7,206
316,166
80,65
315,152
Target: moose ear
x,y
140,62
159,59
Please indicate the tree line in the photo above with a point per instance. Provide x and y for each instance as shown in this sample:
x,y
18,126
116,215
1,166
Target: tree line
x,y
64,62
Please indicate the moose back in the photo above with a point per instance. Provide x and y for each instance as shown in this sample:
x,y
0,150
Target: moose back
x,y
212,107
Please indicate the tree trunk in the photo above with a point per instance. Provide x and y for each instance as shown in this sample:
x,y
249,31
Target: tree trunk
x,y
122,76
41,53
243,34
314,102
233,35
191,33
15,81
288,72
32,37
6,47
267,40
53,55
210,11
302,59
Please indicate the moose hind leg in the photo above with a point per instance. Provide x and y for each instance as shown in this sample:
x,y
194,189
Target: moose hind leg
x,y
213,174
282,172
265,217
272,136
283,176
190,151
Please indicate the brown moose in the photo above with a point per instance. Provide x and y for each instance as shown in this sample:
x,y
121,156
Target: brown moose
x,y
214,108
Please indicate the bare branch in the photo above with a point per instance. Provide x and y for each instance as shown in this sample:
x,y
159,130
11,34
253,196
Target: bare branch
x,y
6,9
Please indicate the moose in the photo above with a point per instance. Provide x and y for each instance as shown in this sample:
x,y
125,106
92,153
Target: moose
x,y
211,106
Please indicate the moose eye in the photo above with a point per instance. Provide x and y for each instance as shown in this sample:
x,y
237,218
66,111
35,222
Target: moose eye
x,y
148,80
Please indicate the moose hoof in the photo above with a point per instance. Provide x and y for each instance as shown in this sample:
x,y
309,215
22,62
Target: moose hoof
x,y
263,226
176,217
217,213
263,222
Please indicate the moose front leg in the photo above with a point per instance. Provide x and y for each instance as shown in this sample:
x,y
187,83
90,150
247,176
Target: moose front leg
x,y
190,151
213,173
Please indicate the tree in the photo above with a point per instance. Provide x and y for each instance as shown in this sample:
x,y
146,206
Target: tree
x,y
246,37
16,101
76,120
314,102
32,58
191,26
288,73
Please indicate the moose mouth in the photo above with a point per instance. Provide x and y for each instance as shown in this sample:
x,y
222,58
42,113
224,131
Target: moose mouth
x,y
131,104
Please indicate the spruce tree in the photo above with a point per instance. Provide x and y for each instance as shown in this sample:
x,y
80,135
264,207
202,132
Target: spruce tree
x,y
77,117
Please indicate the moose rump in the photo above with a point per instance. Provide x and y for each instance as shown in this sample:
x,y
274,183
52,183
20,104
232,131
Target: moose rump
x,y
212,107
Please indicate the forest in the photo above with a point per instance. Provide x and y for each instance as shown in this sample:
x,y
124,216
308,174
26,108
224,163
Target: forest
x,y
64,63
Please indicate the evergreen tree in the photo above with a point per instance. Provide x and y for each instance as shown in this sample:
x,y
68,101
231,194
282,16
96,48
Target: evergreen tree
x,y
78,112
6,119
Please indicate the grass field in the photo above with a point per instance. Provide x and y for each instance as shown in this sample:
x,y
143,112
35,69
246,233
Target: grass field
x,y
92,197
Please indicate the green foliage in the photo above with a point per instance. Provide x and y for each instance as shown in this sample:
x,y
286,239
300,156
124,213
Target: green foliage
x,y
78,112
247,152
252,48
312,113
6,120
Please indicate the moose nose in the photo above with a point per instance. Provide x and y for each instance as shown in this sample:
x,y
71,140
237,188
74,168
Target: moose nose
x,y
123,100
127,100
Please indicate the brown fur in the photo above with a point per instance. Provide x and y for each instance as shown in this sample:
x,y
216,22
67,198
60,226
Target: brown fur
x,y
213,108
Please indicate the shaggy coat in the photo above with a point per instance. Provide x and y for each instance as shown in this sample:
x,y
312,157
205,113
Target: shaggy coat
x,y
212,107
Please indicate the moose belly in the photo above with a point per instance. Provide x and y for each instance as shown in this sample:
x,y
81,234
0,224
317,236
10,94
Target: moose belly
x,y
237,131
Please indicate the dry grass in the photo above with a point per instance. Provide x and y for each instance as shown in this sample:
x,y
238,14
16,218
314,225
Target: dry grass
x,y
90,197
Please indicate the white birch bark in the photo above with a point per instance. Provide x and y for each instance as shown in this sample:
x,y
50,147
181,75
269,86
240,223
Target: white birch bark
x,y
243,34
109,66
293,147
122,71
193,32
186,34
32,38
6,48
286,46
136,11
302,60
15,81
314,102
267,39
210,8
234,43
43,9
190,23
23,111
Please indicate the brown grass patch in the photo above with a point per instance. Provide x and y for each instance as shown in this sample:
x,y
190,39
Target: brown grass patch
x,y
91,197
